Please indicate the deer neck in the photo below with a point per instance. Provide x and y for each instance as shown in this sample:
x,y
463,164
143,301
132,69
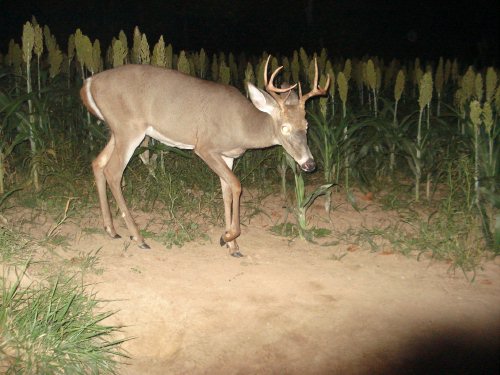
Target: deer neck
x,y
260,131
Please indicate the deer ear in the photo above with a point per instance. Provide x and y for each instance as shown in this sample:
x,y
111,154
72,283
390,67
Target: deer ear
x,y
261,99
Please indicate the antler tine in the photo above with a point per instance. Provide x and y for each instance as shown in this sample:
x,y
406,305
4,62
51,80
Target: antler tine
x,y
273,76
327,84
271,86
287,96
316,90
315,73
265,70
273,90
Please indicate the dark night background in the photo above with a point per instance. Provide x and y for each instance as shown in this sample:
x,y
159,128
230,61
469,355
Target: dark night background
x,y
467,30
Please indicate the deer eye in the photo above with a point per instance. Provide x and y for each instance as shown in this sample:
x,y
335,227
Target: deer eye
x,y
286,129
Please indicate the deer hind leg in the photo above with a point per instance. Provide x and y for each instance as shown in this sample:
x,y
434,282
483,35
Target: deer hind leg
x,y
228,201
98,167
118,160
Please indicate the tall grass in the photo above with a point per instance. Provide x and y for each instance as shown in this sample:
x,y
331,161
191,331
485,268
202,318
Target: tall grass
x,y
50,323
52,327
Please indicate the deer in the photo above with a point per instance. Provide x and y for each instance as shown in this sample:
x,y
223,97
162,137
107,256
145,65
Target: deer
x,y
214,120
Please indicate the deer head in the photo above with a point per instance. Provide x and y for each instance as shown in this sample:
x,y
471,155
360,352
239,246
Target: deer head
x,y
289,114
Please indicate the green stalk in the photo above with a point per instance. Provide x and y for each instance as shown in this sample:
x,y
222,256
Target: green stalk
x,y
29,90
392,161
327,158
428,186
301,209
369,101
438,104
346,162
428,112
346,165
89,120
490,149
328,170
282,171
89,125
419,157
2,174
476,163
38,75
428,183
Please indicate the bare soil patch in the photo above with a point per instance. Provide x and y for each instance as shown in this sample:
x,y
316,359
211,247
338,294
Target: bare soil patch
x,y
291,307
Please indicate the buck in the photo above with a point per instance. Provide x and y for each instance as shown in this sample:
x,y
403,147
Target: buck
x,y
214,120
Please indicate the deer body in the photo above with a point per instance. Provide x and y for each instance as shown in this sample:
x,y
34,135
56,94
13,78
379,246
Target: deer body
x,y
216,121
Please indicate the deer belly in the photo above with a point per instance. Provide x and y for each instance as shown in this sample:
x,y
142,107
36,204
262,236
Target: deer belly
x,y
167,141
233,154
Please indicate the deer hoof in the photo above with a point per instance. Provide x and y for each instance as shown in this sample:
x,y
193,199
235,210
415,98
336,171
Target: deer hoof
x,y
222,242
144,246
112,233
237,254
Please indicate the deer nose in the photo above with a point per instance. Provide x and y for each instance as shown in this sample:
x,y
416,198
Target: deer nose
x,y
308,166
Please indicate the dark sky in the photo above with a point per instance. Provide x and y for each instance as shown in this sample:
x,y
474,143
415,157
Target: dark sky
x,y
403,29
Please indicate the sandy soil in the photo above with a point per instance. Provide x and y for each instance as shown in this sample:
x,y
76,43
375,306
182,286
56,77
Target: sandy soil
x,y
291,307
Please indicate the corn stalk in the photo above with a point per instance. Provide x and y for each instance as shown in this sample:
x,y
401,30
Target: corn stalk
x,y
398,91
423,101
28,43
343,90
303,201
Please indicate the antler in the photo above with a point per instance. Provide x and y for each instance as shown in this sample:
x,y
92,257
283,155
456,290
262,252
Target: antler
x,y
272,90
316,89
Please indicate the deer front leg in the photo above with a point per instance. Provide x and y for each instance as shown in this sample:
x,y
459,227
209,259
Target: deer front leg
x,y
231,191
228,202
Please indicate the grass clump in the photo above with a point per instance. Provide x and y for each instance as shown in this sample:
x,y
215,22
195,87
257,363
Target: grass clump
x,y
453,239
442,236
293,230
13,247
51,327
176,233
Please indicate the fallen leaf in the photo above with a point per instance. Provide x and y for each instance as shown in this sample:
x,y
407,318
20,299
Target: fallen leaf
x,y
387,251
367,197
353,248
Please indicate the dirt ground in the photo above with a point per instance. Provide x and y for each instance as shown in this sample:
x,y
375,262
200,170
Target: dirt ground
x,y
292,307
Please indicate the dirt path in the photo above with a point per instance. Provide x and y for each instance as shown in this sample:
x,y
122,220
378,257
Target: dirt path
x,y
291,308
287,307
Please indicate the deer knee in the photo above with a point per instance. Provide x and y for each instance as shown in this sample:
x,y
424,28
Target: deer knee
x,y
236,188
98,165
230,235
111,177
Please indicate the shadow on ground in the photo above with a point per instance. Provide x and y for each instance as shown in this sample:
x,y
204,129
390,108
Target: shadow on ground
x,y
449,351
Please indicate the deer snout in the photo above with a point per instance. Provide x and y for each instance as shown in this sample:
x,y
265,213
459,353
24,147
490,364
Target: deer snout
x,y
308,166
